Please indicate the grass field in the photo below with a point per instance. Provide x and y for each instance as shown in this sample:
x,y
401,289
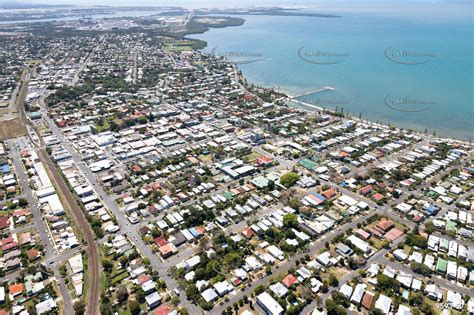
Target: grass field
x,y
179,46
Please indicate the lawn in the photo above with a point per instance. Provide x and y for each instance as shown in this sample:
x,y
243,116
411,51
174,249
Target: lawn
x,y
252,157
178,47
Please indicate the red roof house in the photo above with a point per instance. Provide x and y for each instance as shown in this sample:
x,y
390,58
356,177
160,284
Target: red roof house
x,y
289,280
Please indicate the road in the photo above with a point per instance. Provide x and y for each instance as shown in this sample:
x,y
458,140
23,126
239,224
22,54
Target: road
x,y
40,225
314,248
441,282
375,258
125,227
72,208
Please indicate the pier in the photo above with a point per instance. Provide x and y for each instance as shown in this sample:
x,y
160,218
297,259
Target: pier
x,y
323,89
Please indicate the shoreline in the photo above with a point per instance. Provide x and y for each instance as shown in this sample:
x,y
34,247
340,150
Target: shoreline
x,y
289,98
318,108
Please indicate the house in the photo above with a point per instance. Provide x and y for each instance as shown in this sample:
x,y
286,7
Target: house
x,y
403,310
405,279
248,233
325,259
383,303
360,244
366,190
368,300
451,270
454,300
223,287
462,274
268,304
16,289
400,255
346,290
393,234
46,306
153,300
385,225
358,293
279,289
434,292
344,250
209,295
289,280
441,266
373,270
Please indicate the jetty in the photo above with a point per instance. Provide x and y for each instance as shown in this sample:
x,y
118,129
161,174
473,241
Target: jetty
x,y
323,89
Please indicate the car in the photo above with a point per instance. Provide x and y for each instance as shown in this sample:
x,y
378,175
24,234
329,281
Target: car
x,y
176,291
133,220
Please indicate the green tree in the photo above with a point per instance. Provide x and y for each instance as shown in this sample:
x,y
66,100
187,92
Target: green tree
x,y
134,307
79,307
333,280
290,220
334,309
289,179
122,294
295,203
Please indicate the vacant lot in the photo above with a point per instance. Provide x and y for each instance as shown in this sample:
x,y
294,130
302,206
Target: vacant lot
x,y
12,128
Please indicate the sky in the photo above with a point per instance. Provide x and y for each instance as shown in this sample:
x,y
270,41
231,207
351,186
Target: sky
x,y
211,3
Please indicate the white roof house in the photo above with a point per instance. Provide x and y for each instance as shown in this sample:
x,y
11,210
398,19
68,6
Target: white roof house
x,y
269,304
222,288
454,300
46,306
209,295
433,292
346,290
384,304
403,310
358,293
279,289
360,244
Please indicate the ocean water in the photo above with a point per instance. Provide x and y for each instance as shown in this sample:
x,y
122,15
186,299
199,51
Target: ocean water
x,y
410,65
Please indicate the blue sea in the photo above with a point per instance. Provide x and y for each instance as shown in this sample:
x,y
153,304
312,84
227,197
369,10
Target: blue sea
x,y
409,65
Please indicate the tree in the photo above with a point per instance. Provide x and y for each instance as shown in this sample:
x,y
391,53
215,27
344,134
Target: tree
x,y
333,280
295,203
233,260
416,240
259,289
290,220
134,307
79,307
22,202
140,295
353,264
122,294
289,179
416,299
105,309
385,283
420,268
107,265
426,309
175,300
429,227
334,309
